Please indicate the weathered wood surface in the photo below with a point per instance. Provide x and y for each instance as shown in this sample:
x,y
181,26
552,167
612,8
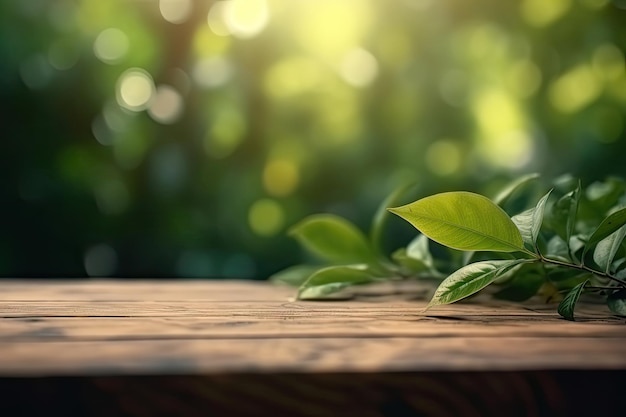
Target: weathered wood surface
x,y
49,328
156,348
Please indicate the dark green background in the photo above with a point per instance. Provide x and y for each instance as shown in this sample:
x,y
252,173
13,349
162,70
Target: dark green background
x,y
329,107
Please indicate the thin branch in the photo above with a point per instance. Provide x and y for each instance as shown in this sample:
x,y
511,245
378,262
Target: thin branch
x,y
584,268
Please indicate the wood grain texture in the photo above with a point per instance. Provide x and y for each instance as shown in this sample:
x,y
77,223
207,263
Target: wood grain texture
x,y
151,327
187,348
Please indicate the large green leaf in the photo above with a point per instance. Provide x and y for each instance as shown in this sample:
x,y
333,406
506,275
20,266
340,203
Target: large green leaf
x,y
463,220
567,305
333,239
605,252
332,279
607,227
529,222
471,279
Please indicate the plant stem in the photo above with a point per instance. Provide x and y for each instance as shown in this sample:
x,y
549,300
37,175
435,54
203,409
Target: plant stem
x,y
583,268
595,287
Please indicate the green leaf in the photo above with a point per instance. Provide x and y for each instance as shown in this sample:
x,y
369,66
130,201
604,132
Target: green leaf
x,y
557,249
567,305
413,265
607,227
463,220
503,196
605,252
416,257
564,214
294,275
604,195
418,249
524,222
333,239
332,279
470,279
529,222
524,285
617,302
382,213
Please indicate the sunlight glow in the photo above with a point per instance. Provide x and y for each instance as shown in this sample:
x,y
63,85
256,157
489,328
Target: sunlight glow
x,y
225,133
135,89
443,157
246,18
167,105
111,46
358,67
266,217
212,72
329,28
608,62
280,177
241,18
293,76
523,78
542,13
175,11
574,90
502,139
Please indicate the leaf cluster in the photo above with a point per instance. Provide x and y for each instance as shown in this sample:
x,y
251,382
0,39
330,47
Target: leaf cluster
x,y
569,243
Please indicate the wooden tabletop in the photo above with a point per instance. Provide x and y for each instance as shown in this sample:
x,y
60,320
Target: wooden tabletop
x,y
156,329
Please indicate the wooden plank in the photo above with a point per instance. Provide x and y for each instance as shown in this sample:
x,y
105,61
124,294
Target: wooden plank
x,y
202,356
136,290
197,348
192,326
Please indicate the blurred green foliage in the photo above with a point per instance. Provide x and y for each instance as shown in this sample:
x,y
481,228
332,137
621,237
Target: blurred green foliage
x,y
183,137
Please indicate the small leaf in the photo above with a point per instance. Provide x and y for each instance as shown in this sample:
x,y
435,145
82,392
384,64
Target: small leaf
x,y
564,214
617,302
333,239
332,279
604,195
294,275
463,220
502,197
418,249
524,285
524,222
378,222
529,222
557,249
605,252
417,257
573,210
470,279
538,217
607,227
567,305
413,265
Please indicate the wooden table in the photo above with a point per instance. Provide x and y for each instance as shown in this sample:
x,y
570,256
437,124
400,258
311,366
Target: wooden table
x,y
220,348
